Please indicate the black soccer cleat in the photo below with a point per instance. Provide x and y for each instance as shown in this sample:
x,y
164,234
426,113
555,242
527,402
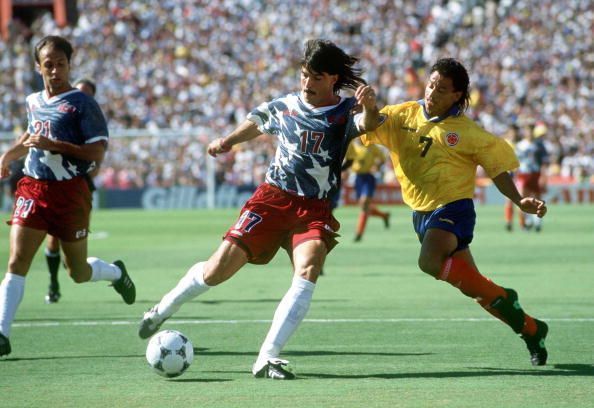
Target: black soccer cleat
x,y
536,344
4,345
275,369
387,221
124,286
53,294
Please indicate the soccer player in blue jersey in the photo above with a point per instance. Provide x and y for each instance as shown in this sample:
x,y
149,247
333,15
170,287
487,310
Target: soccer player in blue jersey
x,y
66,136
436,150
52,249
292,208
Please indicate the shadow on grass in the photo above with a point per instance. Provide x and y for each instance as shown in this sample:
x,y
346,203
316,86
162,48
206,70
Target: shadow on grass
x,y
110,356
198,380
556,370
207,352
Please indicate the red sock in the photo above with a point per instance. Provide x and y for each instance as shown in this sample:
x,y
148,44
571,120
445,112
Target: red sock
x,y
465,277
457,272
361,224
509,212
529,325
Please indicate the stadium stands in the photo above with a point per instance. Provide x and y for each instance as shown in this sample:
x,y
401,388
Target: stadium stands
x,y
201,66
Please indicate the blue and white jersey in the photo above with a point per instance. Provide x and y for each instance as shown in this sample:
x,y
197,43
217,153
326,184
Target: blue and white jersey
x,y
532,155
72,117
312,143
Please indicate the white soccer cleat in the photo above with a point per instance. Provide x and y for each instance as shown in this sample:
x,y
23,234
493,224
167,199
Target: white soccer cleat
x,y
151,322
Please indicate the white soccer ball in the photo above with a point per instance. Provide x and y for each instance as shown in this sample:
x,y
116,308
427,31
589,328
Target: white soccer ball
x,y
169,353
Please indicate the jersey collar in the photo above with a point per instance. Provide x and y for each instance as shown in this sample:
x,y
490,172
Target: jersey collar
x,y
454,111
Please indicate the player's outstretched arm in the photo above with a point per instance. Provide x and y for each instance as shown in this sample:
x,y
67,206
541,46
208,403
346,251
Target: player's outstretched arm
x,y
531,205
248,130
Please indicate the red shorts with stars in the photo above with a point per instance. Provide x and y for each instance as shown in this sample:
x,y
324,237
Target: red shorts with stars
x,y
273,218
62,208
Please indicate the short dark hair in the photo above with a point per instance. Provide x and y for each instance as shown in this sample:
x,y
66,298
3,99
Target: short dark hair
x,y
323,56
453,69
88,82
56,42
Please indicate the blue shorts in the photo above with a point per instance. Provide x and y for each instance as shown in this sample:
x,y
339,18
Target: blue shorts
x,y
457,217
365,185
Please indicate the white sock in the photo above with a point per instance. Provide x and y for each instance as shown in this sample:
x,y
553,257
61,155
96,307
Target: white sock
x,y
289,314
101,270
11,294
190,286
536,221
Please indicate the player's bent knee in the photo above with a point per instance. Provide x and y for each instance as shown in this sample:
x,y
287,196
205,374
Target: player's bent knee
x,y
429,266
79,275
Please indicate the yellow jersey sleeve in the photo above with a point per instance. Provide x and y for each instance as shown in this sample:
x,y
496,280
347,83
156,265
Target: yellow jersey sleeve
x,y
435,161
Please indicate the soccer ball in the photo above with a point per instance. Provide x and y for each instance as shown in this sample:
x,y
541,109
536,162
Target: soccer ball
x,y
169,353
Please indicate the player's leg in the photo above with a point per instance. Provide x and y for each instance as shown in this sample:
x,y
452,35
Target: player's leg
x,y
460,271
308,260
82,269
508,210
364,202
24,242
222,265
52,257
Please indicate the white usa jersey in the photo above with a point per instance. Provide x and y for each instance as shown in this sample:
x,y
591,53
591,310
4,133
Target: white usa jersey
x,y
312,143
72,117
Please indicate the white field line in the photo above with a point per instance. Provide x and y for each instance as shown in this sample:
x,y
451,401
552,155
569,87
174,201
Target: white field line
x,y
50,323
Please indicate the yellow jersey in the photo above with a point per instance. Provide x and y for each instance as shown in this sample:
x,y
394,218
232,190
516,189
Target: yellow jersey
x,y
435,159
364,157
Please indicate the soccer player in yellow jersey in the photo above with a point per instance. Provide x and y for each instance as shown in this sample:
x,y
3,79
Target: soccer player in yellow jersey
x,y
435,150
365,160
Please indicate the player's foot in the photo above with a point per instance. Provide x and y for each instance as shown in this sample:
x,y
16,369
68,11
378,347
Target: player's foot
x,y
274,368
53,294
4,345
124,286
509,227
357,238
536,344
151,323
538,228
387,221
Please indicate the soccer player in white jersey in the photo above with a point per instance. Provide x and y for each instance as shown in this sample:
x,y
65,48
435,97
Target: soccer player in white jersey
x,y
292,208
66,136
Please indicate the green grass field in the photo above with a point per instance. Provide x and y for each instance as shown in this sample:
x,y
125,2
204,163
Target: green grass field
x,y
379,333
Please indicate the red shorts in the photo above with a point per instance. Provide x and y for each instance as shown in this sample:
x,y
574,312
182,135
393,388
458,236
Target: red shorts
x,y
62,208
529,182
273,218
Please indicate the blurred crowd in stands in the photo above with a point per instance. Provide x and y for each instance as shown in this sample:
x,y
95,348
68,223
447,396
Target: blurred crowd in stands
x,y
198,67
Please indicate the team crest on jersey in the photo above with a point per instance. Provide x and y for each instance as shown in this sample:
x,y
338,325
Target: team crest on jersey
x,y
452,139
